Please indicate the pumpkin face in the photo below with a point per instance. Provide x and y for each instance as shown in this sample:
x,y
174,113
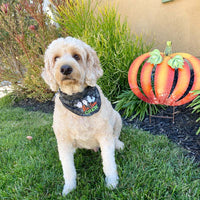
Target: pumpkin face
x,y
162,84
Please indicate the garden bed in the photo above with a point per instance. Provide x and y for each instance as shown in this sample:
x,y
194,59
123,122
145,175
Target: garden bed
x,y
182,131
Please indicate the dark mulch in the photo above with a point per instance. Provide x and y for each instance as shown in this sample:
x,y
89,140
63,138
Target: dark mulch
x,y
33,105
182,131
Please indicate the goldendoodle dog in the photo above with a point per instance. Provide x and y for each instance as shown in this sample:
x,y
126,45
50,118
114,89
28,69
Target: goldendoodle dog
x,y
83,116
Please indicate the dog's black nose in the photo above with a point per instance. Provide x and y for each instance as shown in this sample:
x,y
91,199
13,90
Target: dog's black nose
x,y
66,69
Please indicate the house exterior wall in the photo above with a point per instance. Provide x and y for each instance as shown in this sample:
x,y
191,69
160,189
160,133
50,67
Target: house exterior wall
x,y
177,20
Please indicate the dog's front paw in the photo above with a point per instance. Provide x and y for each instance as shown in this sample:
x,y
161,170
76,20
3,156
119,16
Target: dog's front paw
x,y
111,182
119,145
68,188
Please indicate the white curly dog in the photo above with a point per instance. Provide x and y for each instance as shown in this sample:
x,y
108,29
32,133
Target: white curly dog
x,y
83,116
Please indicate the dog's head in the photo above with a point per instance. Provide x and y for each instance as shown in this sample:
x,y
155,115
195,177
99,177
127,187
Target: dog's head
x,y
71,62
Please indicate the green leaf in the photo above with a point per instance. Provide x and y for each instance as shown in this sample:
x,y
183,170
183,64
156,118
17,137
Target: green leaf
x,y
195,92
155,57
176,62
198,131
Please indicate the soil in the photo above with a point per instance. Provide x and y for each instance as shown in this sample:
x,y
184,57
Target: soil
x,y
182,131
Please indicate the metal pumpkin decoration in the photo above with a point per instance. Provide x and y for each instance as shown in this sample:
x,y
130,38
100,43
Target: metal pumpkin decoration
x,y
165,78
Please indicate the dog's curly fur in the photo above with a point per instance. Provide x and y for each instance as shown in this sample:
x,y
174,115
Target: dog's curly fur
x,y
72,131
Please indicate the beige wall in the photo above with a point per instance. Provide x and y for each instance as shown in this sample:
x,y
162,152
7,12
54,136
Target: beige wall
x,y
178,21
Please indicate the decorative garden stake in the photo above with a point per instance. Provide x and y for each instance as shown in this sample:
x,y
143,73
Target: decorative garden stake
x,y
165,78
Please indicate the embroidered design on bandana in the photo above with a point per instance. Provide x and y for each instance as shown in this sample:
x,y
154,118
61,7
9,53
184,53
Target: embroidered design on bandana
x,y
85,103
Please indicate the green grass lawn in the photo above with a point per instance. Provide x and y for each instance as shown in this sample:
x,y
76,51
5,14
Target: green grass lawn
x,y
150,167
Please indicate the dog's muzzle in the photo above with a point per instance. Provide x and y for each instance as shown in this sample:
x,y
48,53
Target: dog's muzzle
x,y
66,70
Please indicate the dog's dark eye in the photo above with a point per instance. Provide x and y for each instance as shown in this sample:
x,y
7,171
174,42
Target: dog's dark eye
x,y
56,58
76,57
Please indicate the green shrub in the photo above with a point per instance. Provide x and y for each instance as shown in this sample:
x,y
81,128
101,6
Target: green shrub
x,y
25,32
131,106
196,106
102,29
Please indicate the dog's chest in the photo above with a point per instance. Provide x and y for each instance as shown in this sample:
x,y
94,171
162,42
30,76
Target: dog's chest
x,y
81,130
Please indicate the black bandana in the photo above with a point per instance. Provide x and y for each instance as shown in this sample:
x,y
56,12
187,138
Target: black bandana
x,y
84,103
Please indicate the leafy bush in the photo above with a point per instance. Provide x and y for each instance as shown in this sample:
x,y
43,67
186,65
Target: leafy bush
x,y
102,29
25,32
132,107
196,106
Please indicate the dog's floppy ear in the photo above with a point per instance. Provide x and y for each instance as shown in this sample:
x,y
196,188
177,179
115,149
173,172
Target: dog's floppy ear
x,y
94,70
47,74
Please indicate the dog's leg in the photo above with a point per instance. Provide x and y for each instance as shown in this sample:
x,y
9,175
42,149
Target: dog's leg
x,y
117,129
109,166
66,154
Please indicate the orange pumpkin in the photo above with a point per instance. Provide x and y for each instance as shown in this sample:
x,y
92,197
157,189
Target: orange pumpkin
x,y
164,91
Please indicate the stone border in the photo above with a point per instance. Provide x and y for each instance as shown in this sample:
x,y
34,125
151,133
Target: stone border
x,y
4,90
